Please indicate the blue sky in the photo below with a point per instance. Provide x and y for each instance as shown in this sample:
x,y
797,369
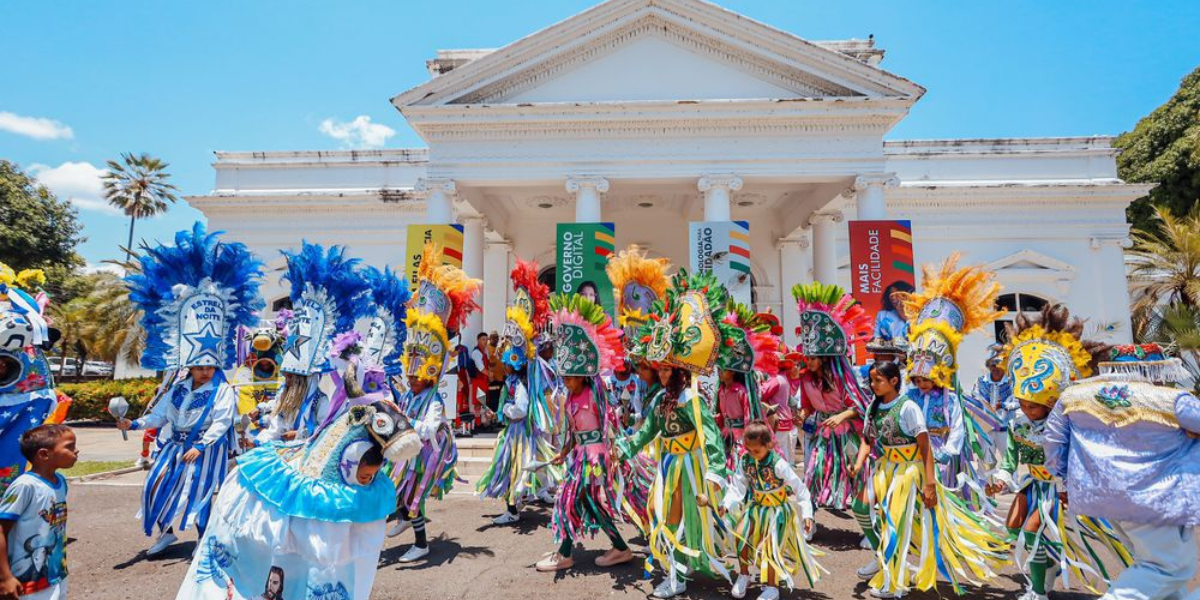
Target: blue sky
x,y
182,79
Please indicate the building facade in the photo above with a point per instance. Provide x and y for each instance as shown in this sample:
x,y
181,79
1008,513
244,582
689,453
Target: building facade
x,y
654,113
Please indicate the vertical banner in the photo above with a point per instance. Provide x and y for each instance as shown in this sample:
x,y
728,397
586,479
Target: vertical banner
x,y
723,248
449,237
582,255
881,255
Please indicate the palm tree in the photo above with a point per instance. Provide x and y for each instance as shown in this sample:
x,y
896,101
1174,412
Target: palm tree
x,y
1177,325
1165,265
115,326
138,186
71,319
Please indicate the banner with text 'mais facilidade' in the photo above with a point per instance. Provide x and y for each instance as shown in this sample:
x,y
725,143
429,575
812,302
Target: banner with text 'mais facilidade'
x,y
449,237
582,255
881,254
723,248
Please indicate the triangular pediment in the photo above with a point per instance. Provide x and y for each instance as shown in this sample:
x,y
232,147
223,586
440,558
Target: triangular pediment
x,y
1031,261
648,50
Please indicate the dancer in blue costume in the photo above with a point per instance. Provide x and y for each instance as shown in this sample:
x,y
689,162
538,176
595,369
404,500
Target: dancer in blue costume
x,y
27,394
328,295
193,296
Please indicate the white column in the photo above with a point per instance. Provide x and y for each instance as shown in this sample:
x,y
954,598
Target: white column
x,y
871,199
718,192
1112,289
588,192
824,245
473,227
495,285
439,200
795,266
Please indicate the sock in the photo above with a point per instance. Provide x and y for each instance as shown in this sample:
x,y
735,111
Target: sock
x,y
862,514
1037,571
566,547
419,529
1014,534
512,509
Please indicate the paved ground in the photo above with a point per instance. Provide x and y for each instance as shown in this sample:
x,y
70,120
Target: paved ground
x,y
104,443
471,559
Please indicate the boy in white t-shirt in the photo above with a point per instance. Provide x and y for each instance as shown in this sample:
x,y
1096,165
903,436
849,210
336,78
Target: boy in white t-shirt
x,y
33,516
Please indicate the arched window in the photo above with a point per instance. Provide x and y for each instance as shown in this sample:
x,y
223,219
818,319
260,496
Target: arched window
x,y
549,277
281,303
1012,304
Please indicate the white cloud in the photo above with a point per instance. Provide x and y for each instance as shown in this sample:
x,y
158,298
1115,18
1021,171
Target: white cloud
x,y
34,127
78,181
359,133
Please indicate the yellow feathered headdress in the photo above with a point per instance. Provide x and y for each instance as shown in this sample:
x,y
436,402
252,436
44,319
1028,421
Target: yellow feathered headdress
x,y
638,282
445,298
954,302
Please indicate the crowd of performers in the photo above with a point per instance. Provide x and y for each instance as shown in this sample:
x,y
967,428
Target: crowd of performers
x,y
686,418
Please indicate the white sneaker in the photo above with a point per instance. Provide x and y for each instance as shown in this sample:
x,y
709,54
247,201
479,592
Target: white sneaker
x,y
877,593
808,535
143,462
506,518
669,588
865,544
868,570
1032,595
739,586
546,496
398,527
164,540
414,554
769,593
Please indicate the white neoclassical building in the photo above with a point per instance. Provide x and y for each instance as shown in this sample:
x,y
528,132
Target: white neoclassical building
x,y
654,113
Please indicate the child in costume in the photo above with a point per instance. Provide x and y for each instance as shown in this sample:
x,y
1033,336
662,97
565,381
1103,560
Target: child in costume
x,y
586,344
904,511
1044,355
1127,444
831,322
771,528
444,300
628,393
750,347
305,519
27,395
193,297
683,336
994,389
328,295
953,303
526,440
258,378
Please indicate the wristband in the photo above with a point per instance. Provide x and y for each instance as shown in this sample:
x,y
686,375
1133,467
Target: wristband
x,y
134,425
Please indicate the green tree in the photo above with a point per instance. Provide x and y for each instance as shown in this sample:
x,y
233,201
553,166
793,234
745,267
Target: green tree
x,y
1178,325
1164,265
37,230
115,330
138,185
1164,148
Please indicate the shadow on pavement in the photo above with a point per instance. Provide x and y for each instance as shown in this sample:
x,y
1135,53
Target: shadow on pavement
x,y
442,551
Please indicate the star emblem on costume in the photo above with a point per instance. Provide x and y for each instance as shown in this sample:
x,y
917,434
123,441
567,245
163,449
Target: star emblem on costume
x,y
204,342
298,342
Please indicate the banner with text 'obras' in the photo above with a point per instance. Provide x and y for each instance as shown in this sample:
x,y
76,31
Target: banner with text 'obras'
x,y
723,248
582,254
449,237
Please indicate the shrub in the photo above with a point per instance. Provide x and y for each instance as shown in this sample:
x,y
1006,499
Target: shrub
x,y
91,397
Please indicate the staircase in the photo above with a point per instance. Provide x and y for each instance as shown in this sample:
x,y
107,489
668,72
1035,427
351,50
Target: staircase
x,y
474,455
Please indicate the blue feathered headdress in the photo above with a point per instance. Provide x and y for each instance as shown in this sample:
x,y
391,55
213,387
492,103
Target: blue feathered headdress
x,y
193,297
328,296
385,339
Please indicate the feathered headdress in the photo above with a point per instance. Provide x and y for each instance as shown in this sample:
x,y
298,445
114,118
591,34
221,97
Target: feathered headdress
x,y
638,282
194,296
528,314
445,299
687,327
749,344
831,323
385,338
954,302
1046,353
328,296
22,304
831,320
586,343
